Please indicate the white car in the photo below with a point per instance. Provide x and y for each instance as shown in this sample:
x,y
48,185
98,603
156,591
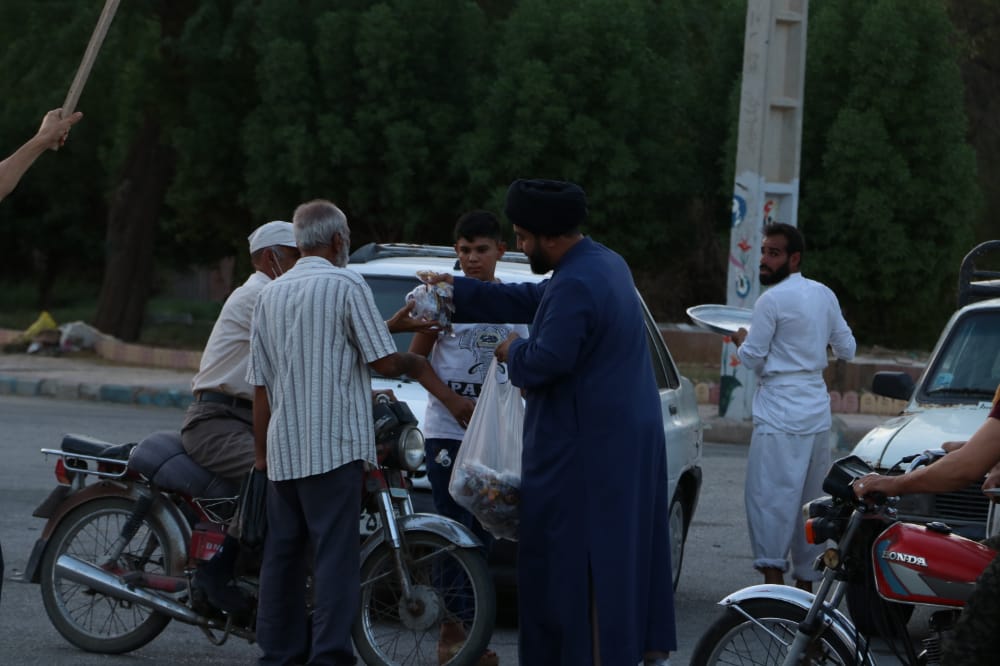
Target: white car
x,y
390,271
949,401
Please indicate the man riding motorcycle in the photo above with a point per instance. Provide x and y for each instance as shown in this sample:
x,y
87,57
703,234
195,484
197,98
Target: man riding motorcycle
x,y
218,427
976,639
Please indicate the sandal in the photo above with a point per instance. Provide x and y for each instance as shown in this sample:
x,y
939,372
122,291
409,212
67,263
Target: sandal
x,y
453,640
446,651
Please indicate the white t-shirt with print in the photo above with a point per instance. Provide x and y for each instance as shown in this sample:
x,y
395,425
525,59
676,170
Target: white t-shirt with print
x,y
461,358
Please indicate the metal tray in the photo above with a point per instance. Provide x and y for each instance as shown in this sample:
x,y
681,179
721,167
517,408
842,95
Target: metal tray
x,y
722,319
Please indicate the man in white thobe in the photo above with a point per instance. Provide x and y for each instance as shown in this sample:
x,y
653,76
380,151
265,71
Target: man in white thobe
x,y
792,325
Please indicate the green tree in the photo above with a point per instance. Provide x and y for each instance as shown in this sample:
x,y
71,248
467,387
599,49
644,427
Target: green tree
x,y
888,182
367,118
571,100
148,89
978,23
51,227
603,92
209,216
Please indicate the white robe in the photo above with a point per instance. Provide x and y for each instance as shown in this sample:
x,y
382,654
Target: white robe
x,y
792,325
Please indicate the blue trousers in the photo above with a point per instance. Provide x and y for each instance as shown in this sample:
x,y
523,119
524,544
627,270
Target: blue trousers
x,y
439,457
318,516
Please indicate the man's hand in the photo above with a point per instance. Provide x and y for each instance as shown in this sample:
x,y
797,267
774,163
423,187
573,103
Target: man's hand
x,y
875,483
993,480
387,392
504,347
430,277
461,408
739,336
54,129
402,322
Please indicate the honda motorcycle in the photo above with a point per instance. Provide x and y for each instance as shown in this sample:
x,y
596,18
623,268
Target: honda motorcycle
x,y
128,524
907,564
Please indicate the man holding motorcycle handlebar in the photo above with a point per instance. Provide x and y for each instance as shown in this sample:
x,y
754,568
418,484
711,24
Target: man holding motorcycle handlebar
x,y
217,432
976,639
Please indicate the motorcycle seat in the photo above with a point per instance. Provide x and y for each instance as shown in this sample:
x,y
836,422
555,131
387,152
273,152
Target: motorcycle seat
x,y
161,458
98,448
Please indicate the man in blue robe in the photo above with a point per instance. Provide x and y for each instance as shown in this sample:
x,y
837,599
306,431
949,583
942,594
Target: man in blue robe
x,y
594,578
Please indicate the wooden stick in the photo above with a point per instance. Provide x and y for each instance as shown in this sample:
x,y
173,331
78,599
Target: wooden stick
x,y
83,71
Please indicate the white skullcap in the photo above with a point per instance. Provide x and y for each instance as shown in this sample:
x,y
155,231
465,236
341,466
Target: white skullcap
x,y
272,233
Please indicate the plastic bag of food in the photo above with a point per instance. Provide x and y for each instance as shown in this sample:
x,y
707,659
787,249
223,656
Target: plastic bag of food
x,y
486,475
433,302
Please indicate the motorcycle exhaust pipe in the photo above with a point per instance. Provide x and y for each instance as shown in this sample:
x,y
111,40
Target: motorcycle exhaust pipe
x,y
85,573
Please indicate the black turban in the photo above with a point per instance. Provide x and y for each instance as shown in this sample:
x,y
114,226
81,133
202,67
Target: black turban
x,y
546,207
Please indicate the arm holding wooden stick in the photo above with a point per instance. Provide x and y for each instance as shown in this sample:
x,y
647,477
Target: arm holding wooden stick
x,y
56,123
50,136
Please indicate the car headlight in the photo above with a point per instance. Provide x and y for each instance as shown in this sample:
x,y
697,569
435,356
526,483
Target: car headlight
x,y
411,448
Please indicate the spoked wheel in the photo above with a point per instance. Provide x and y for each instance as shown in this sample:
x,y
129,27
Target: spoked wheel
x,y
89,619
764,641
452,590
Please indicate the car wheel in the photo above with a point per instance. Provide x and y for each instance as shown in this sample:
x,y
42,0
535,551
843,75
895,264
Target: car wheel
x,y
677,537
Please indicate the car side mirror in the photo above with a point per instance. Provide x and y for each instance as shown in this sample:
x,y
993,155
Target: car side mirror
x,y
893,384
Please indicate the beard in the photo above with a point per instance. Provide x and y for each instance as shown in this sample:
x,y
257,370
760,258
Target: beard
x,y
777,276
539,263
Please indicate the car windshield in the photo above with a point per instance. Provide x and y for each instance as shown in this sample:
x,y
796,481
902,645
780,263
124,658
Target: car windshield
x,y
968,365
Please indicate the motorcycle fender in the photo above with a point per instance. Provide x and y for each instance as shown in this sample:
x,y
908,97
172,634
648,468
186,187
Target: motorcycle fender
x,y
840,624
52,502
178,529
453,531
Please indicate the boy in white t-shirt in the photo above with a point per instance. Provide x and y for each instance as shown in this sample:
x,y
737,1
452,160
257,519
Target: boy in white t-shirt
x,y
460,358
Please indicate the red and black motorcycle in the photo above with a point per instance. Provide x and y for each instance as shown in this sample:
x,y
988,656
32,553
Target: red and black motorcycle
x,y
905,563
128,524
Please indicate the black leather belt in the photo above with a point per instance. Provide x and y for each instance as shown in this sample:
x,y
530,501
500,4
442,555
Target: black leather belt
x,y
223,399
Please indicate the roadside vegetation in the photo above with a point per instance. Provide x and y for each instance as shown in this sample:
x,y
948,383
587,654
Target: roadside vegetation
x,y
170,322
205,119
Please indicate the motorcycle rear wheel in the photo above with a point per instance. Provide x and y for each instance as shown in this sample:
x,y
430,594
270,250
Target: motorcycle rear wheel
x,y
89,619
451,585
734,639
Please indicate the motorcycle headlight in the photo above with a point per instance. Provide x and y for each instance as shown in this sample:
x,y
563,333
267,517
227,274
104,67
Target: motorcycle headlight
x,y
411,448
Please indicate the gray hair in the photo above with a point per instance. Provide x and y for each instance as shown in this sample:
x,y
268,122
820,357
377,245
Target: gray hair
x,y
316,222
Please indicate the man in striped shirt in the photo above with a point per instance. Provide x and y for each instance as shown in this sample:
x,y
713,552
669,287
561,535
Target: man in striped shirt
x,y
316,332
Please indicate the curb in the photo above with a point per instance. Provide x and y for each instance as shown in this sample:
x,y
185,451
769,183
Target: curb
x,y
116,393
727,431
113,349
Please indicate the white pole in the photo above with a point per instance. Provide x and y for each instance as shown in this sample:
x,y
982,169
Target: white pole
x,y
767,164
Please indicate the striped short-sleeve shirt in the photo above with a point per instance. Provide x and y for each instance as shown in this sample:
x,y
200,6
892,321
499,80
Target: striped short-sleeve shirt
x,y
315,330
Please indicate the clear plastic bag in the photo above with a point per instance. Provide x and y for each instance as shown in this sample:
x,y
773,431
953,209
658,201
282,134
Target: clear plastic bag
x,y
486,475
433,302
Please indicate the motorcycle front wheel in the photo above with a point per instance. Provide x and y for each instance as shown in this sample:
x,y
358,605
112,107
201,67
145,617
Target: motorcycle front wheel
x,y
764,640
85,617
452,588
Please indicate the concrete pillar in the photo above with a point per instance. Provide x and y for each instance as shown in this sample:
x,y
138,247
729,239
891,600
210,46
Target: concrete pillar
x,y
767,162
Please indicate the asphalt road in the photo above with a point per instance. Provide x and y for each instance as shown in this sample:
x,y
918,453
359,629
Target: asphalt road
x,y
716,558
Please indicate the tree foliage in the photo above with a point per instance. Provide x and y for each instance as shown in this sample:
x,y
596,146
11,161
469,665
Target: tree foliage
x,y
978,25
205,119
889,184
